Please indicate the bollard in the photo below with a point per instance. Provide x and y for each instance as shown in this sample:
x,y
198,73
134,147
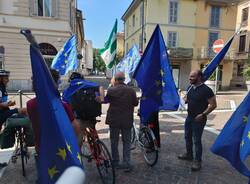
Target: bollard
x,y
73,174
20,98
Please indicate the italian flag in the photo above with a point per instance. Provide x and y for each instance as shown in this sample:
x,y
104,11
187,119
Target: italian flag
x,y
108,53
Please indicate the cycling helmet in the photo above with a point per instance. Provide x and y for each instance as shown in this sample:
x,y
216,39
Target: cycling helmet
x,y
76,75
4,73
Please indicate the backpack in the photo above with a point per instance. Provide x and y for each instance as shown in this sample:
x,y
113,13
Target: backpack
x,y
84,104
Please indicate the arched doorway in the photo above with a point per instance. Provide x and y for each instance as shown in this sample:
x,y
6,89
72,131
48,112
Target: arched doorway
x,y
48,51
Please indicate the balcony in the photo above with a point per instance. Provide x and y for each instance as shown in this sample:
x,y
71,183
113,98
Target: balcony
x,y
208,53
180,53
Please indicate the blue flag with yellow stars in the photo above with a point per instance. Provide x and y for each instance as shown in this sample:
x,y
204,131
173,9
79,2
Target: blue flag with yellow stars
x,y
58,143
208,71
233,143
129,63
74,86
66,59
154,76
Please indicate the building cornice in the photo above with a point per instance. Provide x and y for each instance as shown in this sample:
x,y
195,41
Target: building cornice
x,y
133,5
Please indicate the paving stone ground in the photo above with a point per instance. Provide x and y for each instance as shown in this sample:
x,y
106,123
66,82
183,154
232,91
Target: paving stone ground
x,y
168,170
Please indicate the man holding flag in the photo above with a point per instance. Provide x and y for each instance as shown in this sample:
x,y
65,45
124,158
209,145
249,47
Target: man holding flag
x,y
201,101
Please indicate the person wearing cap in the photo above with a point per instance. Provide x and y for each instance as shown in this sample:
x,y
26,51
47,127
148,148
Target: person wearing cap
x,y
5,104
120,117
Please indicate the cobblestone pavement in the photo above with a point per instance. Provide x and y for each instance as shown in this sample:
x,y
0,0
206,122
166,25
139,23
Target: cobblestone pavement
x,y
168,170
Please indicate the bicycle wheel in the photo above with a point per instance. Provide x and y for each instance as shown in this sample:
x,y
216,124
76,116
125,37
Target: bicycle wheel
x,y
104,163
149,146
22,150
85,150
132,135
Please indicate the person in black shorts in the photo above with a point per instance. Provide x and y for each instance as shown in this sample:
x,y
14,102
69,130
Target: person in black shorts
x,y
5,103
201,101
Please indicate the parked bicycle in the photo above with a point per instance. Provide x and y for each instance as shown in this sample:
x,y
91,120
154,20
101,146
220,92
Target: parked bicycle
x,y
145,139
94,149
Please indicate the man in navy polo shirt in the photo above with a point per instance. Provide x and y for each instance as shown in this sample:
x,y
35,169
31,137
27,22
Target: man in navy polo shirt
x,y
201,101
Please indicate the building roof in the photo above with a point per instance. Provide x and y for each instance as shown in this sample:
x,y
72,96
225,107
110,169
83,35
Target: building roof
x,y
131,7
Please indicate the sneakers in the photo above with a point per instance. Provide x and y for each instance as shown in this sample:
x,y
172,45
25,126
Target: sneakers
x,y
196,166
3,165
185,156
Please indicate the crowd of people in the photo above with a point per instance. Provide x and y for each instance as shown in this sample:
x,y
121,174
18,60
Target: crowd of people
x,y
122,100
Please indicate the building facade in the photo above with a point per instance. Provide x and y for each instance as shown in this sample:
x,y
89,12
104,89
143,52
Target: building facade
x,y
189,28
52,22
242,43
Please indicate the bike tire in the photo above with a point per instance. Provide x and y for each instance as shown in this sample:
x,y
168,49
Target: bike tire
x,y
150,151
22,152
132,135
104,163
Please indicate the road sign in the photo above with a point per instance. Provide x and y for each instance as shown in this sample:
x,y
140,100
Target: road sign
x,y
218,45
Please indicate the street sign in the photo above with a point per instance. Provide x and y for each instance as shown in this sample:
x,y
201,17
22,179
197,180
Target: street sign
x,y
218,45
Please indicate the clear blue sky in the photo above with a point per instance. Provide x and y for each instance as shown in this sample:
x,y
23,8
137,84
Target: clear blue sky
x,y
100,17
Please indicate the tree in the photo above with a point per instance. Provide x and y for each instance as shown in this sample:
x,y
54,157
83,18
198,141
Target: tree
x,y
99,64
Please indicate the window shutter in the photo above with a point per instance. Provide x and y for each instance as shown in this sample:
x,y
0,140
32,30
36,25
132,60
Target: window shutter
x,y
33,7
55,8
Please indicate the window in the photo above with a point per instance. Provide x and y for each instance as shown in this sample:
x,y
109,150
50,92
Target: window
x,y
43,8
141,15
215,16
240,68
127,27
172,39
133,20
1,57
211,39
244,16
242,44
173,12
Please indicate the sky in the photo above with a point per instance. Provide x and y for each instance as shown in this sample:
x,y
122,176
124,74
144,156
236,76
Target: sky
x,y
100,18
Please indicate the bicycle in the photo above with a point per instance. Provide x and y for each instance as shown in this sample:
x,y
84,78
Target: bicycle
x,y
96,150
145,139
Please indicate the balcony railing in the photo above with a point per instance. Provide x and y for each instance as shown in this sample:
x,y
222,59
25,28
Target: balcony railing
x,y
208,53
180,53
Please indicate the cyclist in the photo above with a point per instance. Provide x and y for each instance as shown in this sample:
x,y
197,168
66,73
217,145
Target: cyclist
x,y
5,104
84,97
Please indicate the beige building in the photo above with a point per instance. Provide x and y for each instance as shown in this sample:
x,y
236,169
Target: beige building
x,y
189,28
51,21
242,43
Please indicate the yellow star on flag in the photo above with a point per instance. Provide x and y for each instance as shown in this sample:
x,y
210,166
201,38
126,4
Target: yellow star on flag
x,y
66,61
242,143
158,83
62,153
162,72
69,148
163,84
65,55
52,171
79,157
79,83
245,119
158,92
248,134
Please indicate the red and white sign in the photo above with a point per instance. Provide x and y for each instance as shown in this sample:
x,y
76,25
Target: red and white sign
x,y
218,45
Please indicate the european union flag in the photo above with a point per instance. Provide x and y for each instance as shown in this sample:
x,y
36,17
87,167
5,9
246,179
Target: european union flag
x,y
154,76
58,145
208,71
66,59
74,86
233,143
129,63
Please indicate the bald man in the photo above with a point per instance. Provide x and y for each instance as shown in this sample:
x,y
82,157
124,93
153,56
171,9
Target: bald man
x,y
201,101
122,99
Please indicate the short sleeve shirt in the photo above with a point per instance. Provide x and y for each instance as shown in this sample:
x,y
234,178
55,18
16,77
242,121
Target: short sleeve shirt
x,y
32,110
197,99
